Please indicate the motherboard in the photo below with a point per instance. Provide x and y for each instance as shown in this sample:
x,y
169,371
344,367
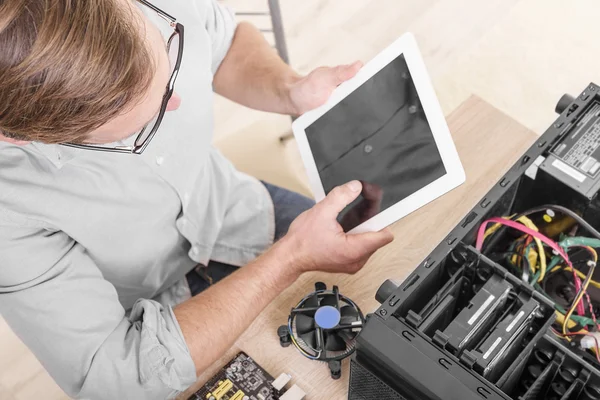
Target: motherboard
x,y
241,379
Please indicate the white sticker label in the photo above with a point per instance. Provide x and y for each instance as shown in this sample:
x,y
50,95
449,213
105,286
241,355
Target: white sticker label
x,y
485,305
514,321
573,173
496,343
533,168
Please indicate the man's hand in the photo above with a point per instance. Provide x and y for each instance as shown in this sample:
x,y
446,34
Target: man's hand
x,y
318,241
313,90
315,242
254,75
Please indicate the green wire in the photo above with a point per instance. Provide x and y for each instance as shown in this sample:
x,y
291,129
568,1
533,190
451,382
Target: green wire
x,y
579,241
583,321
572,242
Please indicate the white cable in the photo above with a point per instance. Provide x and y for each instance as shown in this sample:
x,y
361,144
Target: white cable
x,y
589,340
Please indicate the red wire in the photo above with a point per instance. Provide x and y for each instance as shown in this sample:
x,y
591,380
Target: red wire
x,y
587,296
582,334
522,228
580,307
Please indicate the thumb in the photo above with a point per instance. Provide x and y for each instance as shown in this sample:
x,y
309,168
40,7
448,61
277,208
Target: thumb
x,y
369,242
340,197
342,73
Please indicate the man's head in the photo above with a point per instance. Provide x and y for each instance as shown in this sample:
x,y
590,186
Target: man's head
x,y
78,71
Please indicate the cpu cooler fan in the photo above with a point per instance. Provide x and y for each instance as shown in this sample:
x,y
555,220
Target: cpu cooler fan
x,y
323,326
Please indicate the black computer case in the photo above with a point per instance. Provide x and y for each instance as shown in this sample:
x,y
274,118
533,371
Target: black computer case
x,y
464,326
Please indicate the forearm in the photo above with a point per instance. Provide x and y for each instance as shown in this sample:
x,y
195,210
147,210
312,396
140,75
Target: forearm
x,y
241,297
254,75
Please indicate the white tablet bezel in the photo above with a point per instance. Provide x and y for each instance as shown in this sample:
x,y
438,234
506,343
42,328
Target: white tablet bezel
x,y
455,174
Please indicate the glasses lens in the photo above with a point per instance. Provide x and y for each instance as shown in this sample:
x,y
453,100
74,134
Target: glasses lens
x,y
173,46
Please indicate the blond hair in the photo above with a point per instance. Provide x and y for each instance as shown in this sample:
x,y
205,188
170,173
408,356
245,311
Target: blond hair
x,y
68,67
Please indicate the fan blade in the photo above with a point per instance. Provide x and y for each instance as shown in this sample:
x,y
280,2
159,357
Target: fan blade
x,y
304,324
312,301
310,338
333,342
329,300
349,315
347,334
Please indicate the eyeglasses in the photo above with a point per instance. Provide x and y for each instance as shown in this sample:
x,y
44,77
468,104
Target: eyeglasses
x,y
144,137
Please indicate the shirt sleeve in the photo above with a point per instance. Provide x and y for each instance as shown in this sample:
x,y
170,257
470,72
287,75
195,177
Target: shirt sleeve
x,y
220,25
56,300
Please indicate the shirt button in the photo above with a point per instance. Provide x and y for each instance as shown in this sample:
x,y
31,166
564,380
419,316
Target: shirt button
x,y
160,160
194,250
186,198
368,148
412,109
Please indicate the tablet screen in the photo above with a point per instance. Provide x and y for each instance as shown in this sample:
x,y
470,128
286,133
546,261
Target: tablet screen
x,y
379,135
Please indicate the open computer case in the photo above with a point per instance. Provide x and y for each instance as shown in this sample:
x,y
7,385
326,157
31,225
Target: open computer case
x,y
506,306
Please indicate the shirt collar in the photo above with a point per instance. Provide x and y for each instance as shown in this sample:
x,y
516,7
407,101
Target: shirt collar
x,y
57,154
60,155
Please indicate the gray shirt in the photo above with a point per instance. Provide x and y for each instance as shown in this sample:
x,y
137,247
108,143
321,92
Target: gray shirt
x,y
95,246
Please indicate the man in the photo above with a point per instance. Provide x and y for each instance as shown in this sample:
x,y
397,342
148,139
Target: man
x,y
111,193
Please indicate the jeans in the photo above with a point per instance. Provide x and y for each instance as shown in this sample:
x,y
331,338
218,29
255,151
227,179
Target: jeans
x,y
288,205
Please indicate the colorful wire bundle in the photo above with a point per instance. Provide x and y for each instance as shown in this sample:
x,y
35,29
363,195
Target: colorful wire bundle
x,y
515,225
581,292
528,223
531,247
568,336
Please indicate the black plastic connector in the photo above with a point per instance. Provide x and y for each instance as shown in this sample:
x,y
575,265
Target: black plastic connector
x,y
284,336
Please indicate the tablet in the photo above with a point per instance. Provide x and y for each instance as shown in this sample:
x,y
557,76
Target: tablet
x,y
385,128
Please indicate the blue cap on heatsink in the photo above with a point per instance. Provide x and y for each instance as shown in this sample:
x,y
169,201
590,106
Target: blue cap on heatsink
x,y
327,317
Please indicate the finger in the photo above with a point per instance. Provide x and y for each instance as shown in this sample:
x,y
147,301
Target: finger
x,y
357,65
370,242
340,197
344,72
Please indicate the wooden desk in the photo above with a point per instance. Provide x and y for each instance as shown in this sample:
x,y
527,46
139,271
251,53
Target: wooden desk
x,y
488,142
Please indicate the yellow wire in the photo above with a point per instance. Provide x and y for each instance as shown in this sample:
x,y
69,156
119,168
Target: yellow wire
x,y
575,302
581,275
542,254
578,272
569,339
594,254
529,224
560,318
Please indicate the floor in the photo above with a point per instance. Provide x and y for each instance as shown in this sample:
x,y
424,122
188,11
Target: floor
x,y
518,55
